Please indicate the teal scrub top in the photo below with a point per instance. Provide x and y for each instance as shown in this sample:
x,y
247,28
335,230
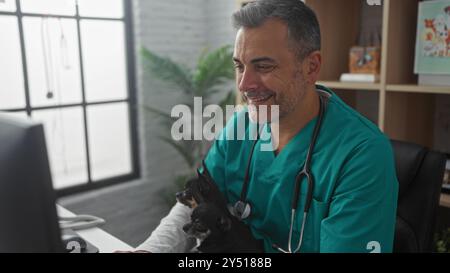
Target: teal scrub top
x,y
355,194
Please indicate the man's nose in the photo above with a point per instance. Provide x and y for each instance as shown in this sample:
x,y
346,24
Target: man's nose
x,y
247,81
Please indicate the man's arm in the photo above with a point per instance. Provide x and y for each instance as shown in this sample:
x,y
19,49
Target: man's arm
x,y
169,236
363,208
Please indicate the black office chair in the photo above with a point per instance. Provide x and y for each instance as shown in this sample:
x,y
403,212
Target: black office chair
x,y
420,173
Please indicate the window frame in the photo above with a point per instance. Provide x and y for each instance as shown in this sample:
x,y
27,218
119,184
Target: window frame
x,y
131,100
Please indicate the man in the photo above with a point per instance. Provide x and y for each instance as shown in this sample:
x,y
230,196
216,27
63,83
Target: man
x,y
354,194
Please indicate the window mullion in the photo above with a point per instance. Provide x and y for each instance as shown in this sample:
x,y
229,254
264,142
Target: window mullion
x,y
24,60
83,95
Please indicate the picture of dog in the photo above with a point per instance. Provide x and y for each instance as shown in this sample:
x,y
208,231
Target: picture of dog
x,y
447,14
217,231
440,26
435,35
429,37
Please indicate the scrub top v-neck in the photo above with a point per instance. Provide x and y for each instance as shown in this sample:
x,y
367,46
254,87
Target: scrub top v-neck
x,y
355,180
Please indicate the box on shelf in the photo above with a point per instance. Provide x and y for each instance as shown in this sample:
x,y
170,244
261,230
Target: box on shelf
x,y
365,60
351,77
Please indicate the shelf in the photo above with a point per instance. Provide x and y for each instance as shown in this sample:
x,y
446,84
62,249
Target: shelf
x,y
408,88
414,88
445,200
351,85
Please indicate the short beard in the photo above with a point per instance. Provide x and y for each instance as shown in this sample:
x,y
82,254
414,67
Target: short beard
x,y
288,105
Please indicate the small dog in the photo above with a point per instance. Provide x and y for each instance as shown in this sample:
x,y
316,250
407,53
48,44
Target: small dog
x,y
211,222
219,232
200,190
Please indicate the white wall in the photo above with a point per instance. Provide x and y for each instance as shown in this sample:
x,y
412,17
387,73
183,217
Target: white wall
x,y
219,30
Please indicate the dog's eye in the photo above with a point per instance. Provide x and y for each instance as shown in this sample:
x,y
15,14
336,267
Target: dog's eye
x,y
199,226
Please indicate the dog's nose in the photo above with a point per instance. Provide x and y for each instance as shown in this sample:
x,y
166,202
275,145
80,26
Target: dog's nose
x,y
179,194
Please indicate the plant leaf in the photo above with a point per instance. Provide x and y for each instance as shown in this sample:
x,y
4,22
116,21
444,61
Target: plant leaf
x,y
213,68
167,70
181,149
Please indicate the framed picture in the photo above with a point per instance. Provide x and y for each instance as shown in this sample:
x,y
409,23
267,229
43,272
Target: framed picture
x,y
433,38
446,182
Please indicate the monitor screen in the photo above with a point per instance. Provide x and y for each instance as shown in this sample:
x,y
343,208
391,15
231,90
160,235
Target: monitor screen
x,y
28,215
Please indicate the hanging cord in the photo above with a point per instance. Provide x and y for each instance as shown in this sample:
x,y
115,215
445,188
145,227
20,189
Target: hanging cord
x,y
63,54
80,222
53,78
65,60
46,52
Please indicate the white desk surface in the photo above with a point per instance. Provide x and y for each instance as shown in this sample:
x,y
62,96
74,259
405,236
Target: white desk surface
x,y
105,242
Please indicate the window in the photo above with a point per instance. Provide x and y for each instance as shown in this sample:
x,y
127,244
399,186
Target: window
x,y
69,64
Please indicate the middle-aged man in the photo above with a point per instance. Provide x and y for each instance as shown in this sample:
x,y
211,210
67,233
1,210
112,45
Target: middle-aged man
x,y
353,198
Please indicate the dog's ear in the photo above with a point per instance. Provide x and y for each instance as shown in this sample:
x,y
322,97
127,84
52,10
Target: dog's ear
x,y
197,192
224,223
204,180
207,181
205,170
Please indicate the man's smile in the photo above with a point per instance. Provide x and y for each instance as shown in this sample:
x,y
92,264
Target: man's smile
x,y
258,97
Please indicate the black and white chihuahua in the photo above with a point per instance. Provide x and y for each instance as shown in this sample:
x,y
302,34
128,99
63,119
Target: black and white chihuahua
x,y
219,232
201,189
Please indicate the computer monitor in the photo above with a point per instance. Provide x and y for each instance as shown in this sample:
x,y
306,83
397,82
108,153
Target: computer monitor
x,y
28,218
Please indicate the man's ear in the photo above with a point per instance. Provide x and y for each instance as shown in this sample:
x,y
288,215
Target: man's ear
x,y
311,67
224,223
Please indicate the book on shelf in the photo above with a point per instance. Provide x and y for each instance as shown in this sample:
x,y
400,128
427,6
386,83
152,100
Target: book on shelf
x,y
432,54
353,77
438,80
446,182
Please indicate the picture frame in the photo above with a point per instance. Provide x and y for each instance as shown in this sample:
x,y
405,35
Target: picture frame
x,y
432,54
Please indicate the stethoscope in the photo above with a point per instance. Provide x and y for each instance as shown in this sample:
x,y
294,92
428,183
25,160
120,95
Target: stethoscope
x,y
242,208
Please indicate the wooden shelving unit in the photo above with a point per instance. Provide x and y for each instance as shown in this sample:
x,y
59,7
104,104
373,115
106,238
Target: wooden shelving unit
x,y
404,110
414,88
351,86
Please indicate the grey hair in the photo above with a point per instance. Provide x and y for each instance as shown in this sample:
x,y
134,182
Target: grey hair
x,y
302,23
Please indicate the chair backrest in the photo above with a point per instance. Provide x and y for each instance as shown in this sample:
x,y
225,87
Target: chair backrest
x,y
420,173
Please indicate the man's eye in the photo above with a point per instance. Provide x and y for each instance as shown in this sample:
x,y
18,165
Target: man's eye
x,y
265,67
239,67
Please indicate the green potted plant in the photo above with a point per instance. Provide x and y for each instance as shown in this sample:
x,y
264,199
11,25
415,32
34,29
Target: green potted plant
x,y
213,73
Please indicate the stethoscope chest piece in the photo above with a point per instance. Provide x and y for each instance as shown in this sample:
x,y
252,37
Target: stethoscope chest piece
x,y
241,210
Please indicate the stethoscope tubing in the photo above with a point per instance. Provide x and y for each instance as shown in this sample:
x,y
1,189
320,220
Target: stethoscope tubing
x,y
305,172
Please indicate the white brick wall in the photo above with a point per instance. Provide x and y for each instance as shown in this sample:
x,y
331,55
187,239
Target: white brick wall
x,y
219,30
180,30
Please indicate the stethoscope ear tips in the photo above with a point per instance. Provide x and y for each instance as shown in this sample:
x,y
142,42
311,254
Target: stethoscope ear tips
x,y
242,210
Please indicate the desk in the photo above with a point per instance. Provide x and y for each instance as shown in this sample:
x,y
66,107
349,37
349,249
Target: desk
x,y
105,242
